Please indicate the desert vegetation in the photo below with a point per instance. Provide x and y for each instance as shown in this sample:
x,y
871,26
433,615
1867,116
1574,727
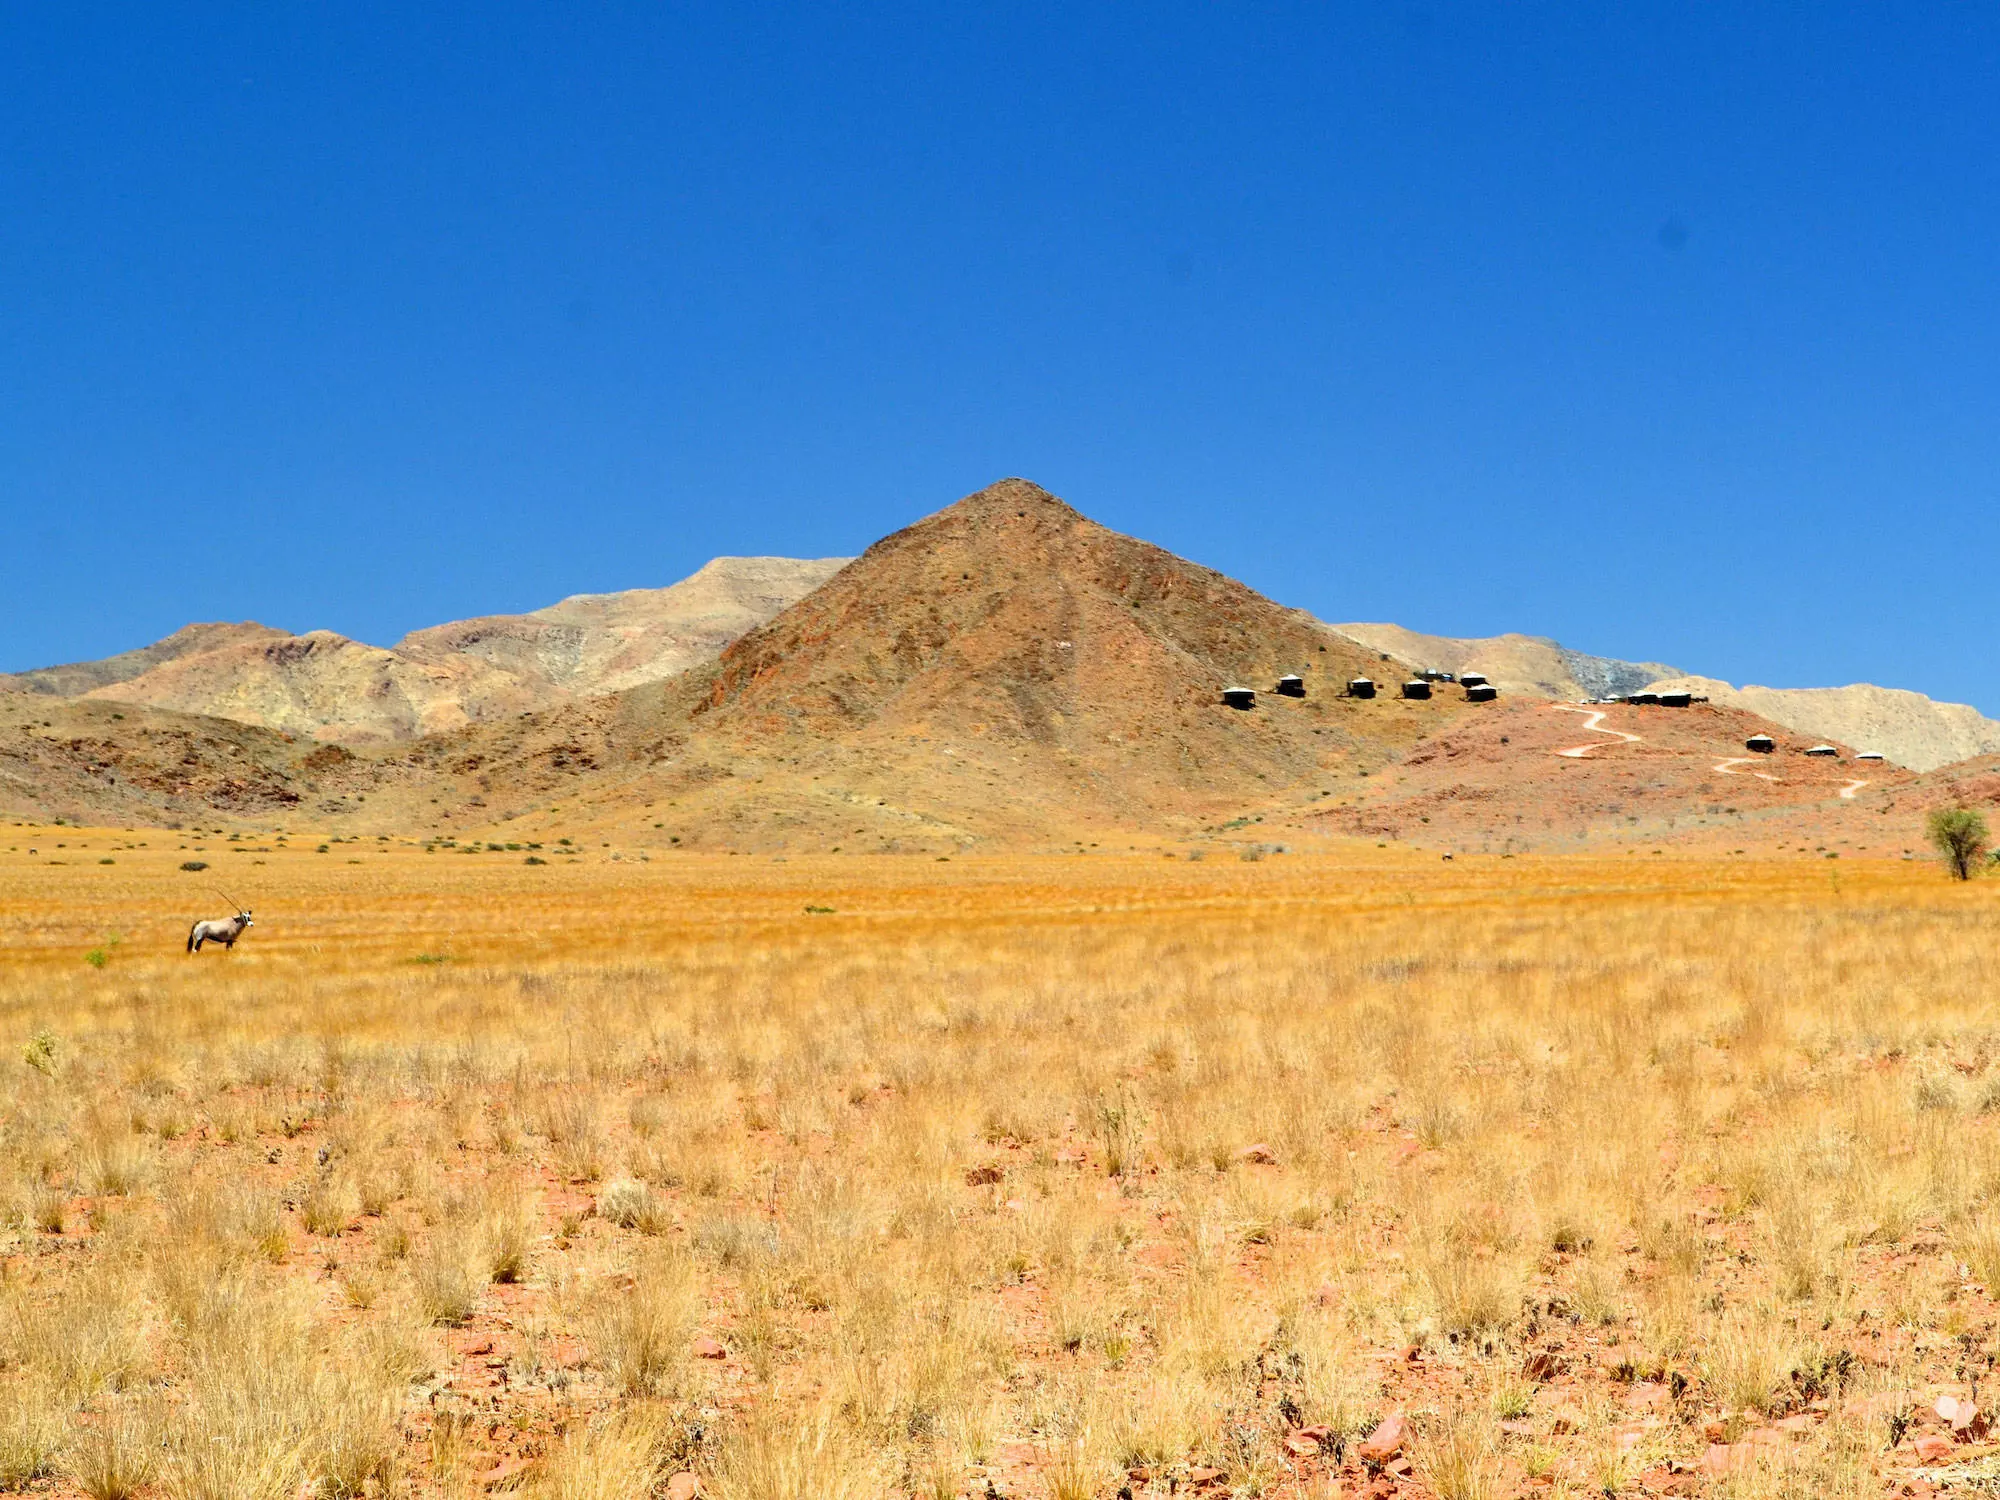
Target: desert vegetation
x,y
1054,1177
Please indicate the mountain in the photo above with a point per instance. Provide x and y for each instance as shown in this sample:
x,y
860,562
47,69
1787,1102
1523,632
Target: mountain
x,y
1514,663
1002,674
1908,728
78,678
603,643
1002,670
330,687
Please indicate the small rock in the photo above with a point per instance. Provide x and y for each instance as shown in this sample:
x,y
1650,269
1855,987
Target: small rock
x,y
1198,1477
1301,1446
683,1486
1515,1427
984,1175
1542,1365
1259,1155
709,1349
1715,1432
502,1472
1385,1442
1933,1449
1959,1415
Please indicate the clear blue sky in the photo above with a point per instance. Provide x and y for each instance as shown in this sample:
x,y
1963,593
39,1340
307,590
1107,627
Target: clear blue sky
x,y
1670,331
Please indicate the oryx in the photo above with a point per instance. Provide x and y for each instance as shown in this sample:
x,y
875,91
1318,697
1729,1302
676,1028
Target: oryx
x,y
223,930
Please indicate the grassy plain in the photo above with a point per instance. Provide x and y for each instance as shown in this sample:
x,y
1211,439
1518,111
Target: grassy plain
x,y
1028,1177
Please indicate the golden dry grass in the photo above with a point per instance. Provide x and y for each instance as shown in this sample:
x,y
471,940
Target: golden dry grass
x,y
443,1178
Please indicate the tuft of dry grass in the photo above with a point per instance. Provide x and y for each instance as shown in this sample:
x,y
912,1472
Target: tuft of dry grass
x,y
639,1326
110,1453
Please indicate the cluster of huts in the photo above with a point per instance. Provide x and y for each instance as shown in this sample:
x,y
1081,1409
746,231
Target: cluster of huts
x,y
1763,744
1477,688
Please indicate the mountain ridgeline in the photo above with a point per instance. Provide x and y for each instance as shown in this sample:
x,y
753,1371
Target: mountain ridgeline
x,y
1002,673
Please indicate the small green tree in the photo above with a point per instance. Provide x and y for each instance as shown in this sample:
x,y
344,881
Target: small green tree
x,y
1960,836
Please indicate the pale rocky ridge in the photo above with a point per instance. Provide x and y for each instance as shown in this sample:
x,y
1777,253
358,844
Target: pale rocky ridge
x,y
1514,663
1907,728
605,643
74,679
326,686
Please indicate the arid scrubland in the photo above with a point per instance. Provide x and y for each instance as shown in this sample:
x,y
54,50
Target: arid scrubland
x,y
1035,1177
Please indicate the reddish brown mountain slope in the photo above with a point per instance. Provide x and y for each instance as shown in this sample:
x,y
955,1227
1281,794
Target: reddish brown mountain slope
x,y
1499,780
1003,670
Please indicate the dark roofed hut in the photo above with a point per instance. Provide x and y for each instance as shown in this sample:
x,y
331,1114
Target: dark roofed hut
x,y
1762,744
1481,692
1240,697
1676,699
1291,685
1472,679
1416,688
1652,699
1361,687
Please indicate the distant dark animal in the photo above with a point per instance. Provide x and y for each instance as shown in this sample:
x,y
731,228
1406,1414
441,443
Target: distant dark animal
x,y
223,930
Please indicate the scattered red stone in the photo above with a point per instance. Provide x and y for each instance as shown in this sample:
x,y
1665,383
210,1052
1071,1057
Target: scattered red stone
x,y
1933,1449
502,1473
1385,1442
709,1349
983,1176
683,1486
1199,1477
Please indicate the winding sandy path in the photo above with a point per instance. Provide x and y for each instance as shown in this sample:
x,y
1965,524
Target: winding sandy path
x,y
1594,724
1728,767
1847,792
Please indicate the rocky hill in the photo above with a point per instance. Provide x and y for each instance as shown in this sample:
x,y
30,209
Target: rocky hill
x,y
1003,670
124,764
1528,774
1909,728
1514,663
332,688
